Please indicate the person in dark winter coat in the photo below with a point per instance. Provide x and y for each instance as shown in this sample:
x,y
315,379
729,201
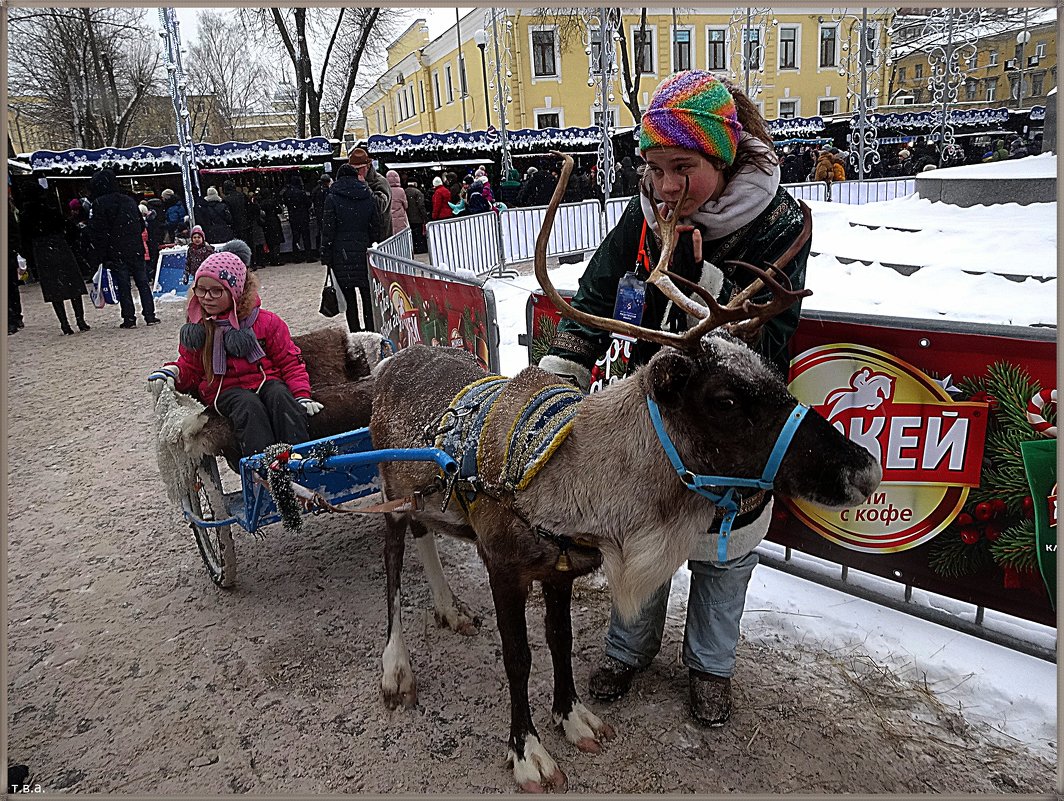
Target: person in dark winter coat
x,y
351,215
256,235
115,230
509,188
1018,149
238,209
214,217
156,222
297,201
700,133
418,215
317,202
76,221
176,213
538,189
441,200
476,203
43,232
381,189
14,245
271,226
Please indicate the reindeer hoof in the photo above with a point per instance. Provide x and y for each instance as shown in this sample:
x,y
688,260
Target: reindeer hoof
x,y
398,686
458,619
393,698
584,729
536,771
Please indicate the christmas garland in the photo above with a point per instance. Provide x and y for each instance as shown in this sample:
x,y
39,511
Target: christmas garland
x,y
996,525
280,483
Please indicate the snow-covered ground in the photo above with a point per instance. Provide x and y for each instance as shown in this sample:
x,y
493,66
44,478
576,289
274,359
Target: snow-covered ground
x,y
1013,693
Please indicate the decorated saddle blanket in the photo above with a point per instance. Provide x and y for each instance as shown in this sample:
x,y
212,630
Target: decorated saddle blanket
x,y
541,420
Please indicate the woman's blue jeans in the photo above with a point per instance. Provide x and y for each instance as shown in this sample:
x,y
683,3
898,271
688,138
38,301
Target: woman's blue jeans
x,y
714,607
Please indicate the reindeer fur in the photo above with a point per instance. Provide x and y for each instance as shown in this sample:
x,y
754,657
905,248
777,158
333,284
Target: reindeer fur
x,y
609,484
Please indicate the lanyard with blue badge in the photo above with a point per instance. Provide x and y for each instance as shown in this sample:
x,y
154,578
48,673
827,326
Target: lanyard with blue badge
x,y
629,306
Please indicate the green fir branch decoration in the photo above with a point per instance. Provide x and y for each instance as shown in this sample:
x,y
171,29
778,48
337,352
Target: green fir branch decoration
x,y
952,558
1016,547
545,336
1013,388
280,483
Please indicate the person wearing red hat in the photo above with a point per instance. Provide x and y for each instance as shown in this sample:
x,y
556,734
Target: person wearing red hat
x,y
240,358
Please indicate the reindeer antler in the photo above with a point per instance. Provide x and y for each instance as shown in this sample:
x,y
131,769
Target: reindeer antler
x,y
738,311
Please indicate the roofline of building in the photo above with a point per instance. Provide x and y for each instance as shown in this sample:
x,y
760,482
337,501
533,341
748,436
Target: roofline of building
x,y
410,27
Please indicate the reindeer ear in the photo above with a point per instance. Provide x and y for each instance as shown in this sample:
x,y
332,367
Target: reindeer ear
x,y
670,373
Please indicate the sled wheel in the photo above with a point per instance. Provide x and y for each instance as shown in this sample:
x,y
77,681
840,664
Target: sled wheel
x,y
215,543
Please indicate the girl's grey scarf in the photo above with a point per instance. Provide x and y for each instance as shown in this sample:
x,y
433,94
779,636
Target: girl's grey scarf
x,y
240,342
747,194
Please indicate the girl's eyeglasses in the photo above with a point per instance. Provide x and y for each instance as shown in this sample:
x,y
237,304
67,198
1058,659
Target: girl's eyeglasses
x,y
213,292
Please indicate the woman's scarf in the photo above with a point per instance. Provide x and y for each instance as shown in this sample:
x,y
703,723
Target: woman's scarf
x,y
747,194
240,342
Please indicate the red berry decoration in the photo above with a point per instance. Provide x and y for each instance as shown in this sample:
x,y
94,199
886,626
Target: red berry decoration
x,y
969,535
1028,506
983,511
998,507
964,519
992,531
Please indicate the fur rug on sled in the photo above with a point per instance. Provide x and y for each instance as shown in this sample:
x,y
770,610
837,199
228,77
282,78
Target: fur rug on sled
x,y
340,366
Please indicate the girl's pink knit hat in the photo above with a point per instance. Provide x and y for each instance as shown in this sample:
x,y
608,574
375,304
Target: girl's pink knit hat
x,y
229,270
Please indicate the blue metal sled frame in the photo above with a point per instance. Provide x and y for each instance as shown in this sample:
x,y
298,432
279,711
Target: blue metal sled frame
x,y
346,476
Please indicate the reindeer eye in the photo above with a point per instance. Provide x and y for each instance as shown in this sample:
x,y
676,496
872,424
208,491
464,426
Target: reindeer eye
x,y
723,403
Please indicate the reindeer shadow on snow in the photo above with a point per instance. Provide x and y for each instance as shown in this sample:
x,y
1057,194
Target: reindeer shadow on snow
x,y
540,503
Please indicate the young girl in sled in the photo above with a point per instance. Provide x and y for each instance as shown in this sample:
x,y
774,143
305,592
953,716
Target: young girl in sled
x,y
239,358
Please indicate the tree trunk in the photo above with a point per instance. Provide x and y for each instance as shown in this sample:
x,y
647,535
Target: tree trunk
x,y
352,74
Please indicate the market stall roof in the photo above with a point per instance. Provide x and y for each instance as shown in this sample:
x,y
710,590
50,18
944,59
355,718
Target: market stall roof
x,y
413,165
145,160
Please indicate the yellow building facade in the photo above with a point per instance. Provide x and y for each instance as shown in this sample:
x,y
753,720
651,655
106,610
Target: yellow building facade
x,y
804,63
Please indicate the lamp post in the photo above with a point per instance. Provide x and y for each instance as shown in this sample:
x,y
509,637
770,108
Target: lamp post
x,y
1022,38
507,164
481,38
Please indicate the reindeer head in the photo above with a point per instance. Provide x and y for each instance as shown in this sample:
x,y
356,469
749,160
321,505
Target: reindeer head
x,y
721,404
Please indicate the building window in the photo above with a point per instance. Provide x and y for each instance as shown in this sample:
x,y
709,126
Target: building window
x,y
1040,50
1038,83
643,48
548,119
752,49
788,48
871,37
788,109
918,71
716,54
993,58
918,96
681,50
901,74
421,86
991,88
450,84
544,64
437,99
829,42
611,114
384,112
828,106
200,106
596,50
970,90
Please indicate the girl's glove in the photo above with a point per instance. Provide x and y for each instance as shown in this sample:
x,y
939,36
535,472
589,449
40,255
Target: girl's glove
x,y
164,376
311,407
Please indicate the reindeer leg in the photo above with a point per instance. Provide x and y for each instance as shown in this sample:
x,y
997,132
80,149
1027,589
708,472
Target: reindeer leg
x,y
534,769
582,727
397,679
450,611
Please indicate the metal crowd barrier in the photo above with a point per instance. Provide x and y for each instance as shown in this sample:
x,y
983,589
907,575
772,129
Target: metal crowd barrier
x,y
400,244
576,230
810,190
474,238
858,193
436,284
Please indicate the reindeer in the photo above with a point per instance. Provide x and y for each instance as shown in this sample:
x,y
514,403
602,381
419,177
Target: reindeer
x,y
720,407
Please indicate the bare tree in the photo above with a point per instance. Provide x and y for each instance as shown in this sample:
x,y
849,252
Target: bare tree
x,y
84,73
221,65
326,48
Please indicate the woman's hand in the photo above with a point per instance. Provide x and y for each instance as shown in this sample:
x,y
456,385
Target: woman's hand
x,y
696,240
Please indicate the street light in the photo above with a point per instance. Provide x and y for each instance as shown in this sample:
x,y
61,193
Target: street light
x,y
481,38
1022,38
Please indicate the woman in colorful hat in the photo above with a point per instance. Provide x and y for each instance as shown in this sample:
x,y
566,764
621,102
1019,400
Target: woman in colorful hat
x,y
705,135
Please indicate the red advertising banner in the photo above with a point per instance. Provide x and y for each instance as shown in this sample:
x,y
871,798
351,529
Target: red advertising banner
x,y
431,311
945,408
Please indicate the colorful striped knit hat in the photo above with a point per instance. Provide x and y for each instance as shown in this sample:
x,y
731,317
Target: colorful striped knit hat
x,y
695,111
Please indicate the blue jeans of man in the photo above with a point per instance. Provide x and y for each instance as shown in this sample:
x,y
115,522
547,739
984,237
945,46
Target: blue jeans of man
x,y
138,271
714,607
